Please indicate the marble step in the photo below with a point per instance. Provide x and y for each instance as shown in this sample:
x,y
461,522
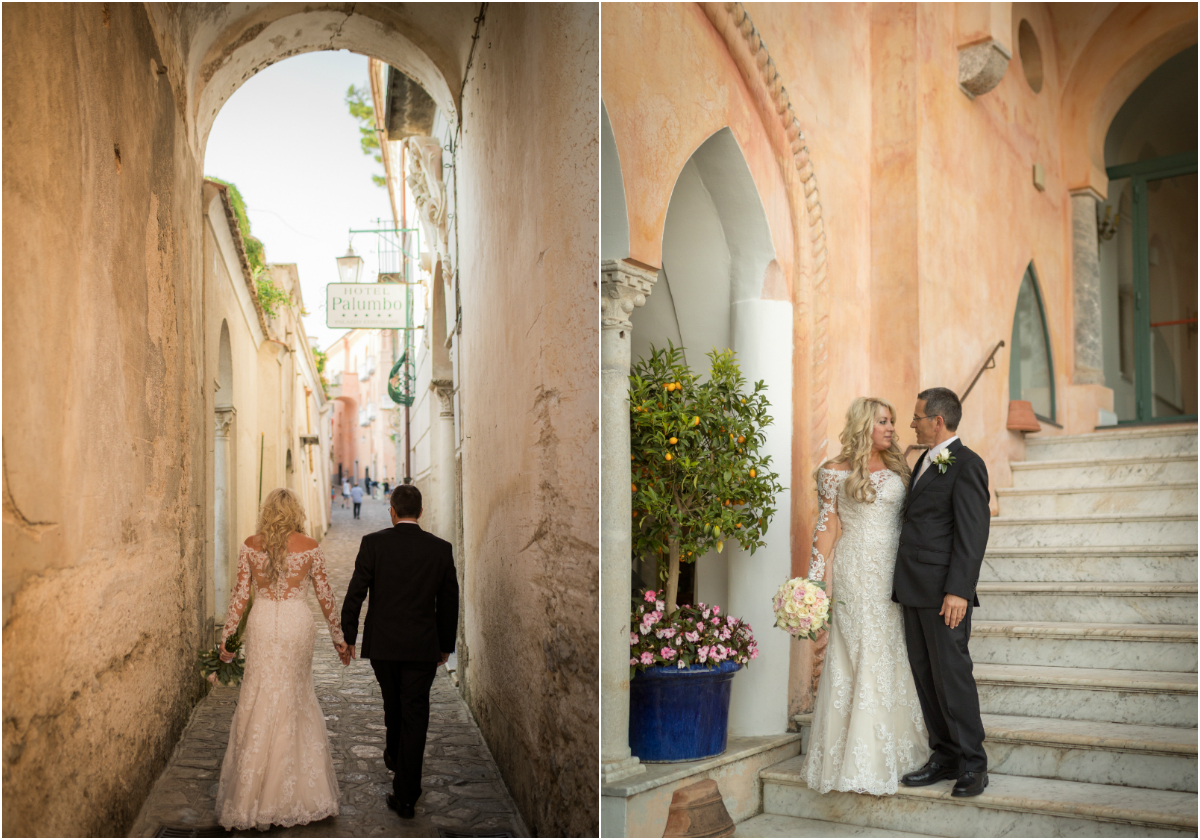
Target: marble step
x,y
1114,498
1132,647
1089,472
1120,603
1093,529
1150,564
1016,806
1150,698
777,825
1123,443
1158,757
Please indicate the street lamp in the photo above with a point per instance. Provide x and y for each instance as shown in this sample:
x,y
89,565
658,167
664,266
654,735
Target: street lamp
x,y
349,266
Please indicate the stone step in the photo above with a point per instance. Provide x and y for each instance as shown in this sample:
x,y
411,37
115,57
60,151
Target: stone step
x,y
1114,498
1151,564
1150,698
777,825
1175,439
1123,603
1132,647
1089,472
1093,529
1158,757
1018,806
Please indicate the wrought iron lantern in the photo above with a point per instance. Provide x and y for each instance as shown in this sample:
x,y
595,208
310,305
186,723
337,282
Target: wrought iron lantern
x,y
349,266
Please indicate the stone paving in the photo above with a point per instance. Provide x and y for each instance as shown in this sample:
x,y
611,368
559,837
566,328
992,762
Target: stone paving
x,y
464,795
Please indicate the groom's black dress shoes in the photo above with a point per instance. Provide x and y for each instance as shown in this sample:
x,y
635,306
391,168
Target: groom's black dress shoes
x,y
970,784
930,773
406,810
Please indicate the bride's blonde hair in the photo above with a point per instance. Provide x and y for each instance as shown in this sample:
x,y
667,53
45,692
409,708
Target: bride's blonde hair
x,y
856,448
281,514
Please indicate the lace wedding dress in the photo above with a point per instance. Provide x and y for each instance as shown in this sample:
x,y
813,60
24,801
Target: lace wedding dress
x,y
277,768
867,728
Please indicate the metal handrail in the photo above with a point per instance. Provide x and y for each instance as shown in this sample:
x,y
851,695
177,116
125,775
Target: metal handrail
x,y
987,365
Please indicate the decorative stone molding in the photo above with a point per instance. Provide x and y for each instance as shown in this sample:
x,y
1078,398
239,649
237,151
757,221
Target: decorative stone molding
x,y
428,188
444,389
743,40
624,286
981,67
224,419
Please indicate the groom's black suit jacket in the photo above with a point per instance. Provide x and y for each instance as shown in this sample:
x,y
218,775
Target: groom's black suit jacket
x,y
413,614
944,532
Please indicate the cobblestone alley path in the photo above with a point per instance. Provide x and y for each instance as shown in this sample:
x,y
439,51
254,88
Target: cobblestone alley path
x,y
464,795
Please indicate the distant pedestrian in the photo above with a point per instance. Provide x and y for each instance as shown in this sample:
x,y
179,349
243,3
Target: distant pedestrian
x,y
345,493
409,630
356,493
385,488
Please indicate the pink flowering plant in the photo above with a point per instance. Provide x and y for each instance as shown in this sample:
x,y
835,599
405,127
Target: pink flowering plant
x,y
699,635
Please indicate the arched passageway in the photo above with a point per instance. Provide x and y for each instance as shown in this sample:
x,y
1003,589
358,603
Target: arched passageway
x,y
103,165
715,291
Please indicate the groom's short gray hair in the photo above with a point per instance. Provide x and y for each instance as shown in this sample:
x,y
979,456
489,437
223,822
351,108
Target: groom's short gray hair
x,y
944,403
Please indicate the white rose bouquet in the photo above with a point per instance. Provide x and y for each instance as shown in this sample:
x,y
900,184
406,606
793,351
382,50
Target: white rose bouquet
x,y
802,609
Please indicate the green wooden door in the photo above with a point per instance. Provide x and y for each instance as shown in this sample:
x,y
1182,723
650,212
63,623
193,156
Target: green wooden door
x,y
1164,286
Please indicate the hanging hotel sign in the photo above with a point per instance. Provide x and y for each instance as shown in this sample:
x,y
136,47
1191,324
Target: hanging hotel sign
x,y
365,305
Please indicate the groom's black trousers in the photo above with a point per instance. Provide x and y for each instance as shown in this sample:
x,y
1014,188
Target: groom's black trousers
x,y
405,687
941,667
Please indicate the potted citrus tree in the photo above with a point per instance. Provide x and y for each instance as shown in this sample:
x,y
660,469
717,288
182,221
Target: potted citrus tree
x,y
699,480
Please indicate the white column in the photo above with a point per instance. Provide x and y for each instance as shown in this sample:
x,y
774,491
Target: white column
x,y
761,334
221,566
625,285
442,456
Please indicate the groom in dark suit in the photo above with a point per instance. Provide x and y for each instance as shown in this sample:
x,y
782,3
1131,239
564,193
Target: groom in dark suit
x,y
944,532
410,629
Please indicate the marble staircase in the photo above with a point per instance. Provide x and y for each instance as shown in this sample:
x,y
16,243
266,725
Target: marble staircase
x,y
1085,657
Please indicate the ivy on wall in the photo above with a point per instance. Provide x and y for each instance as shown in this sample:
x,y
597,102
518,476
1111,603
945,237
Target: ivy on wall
x,y
270,295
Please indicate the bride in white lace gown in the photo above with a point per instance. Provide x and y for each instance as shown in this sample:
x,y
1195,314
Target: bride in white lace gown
x,y
277,768
867,728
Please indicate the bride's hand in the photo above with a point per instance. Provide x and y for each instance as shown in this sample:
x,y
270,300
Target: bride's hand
x,y
345,652
225,655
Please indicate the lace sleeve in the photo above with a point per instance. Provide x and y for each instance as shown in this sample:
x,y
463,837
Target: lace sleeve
x,y
828,525
241,594
325,597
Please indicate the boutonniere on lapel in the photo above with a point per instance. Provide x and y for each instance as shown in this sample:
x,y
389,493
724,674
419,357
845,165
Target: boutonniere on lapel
x,y
943,460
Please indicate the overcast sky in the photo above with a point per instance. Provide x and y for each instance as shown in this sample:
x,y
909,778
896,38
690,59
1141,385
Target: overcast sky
x,y
288,142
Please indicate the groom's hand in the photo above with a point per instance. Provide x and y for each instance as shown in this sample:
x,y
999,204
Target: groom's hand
x,y
445,658
954,609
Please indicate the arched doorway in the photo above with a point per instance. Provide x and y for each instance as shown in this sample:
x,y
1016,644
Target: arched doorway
x,y
1148,254
715,292
224,485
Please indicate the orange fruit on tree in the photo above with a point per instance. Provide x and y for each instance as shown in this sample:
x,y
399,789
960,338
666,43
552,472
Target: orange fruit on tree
x,y
668,456
673,441
738,525
741,438
634,486
696,420
660,405
753,473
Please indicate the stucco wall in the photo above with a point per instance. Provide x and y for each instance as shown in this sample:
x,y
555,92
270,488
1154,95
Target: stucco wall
x,y
103,418
530,486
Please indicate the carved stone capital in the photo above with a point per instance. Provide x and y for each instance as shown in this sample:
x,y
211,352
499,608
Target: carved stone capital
x,y
981,67
444,389
224,419
624,286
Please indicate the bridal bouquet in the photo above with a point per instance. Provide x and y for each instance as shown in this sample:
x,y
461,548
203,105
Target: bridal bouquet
x,y
697,635
802,607
226,673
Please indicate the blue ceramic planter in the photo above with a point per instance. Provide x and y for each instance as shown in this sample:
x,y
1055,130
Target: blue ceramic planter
x,y
680,714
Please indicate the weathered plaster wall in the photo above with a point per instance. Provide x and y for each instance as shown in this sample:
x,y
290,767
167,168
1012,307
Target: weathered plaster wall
x,y
528,221
103,418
